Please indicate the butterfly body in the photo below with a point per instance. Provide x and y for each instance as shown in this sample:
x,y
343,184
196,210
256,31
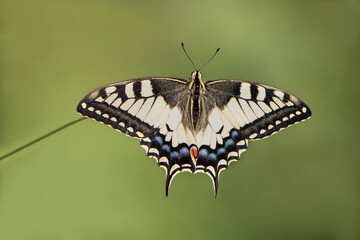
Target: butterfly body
x,y
193,126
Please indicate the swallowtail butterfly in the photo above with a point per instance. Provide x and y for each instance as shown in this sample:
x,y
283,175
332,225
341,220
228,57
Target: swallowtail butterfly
x,y
193,126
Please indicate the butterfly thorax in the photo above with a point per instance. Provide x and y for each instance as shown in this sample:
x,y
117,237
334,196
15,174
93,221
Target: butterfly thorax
x,y
197,89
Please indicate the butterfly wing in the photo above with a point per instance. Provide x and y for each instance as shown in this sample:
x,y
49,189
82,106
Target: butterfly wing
x,y
149,109
238,111
133,106
259,110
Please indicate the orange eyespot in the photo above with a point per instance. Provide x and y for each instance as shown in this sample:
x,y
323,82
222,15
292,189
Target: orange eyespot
x,y
194,152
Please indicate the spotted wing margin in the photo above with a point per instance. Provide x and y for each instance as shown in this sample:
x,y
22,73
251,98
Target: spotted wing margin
x,y
255,109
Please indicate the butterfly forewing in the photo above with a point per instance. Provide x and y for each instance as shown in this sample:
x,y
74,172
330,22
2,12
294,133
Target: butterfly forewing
x,y
260,110
132,106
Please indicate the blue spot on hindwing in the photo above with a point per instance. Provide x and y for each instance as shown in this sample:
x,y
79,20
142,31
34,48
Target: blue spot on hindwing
x,y
158,139
203,152
202,157
174,155
165,148
184,151
234,134
212,157
229,143
221,151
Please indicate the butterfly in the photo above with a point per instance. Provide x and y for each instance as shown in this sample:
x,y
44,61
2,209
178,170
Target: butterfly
x,y
193,126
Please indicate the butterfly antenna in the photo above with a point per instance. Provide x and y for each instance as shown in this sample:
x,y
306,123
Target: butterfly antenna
x,y
217,50
182,45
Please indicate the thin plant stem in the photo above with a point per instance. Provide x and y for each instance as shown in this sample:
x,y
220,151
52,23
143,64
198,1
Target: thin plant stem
x,y
41,138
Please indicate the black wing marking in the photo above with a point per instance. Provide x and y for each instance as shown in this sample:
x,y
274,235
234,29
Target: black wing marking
x,y
259,110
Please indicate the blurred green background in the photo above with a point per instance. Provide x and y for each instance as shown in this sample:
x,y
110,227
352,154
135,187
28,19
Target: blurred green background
x,y
90,182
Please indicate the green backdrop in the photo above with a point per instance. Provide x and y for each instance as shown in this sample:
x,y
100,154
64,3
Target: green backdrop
x,y
90,182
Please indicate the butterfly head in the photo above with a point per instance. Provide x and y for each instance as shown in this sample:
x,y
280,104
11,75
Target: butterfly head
x,y
196,83
196,76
